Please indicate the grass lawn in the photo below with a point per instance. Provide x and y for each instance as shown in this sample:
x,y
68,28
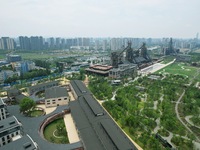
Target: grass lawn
x,y
180,69
167,59
36,55
36,113
50,131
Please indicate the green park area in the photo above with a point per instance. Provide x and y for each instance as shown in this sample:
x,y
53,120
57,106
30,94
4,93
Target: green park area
x,y
182,69
32,56
55,132
146,107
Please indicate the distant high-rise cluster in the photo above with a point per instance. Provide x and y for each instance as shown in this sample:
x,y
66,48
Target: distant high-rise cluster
x,y
7,43
40,43
86,43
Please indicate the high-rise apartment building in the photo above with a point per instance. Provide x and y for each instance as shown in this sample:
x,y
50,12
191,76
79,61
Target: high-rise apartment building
x,y
36,42
86,41
10,44
2,44
57,43
97,45
104,45
24,42
7,43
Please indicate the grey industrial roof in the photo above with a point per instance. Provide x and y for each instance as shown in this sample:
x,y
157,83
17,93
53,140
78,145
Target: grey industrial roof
x,y
43,84
13,92
8,123
24,143
139,59
87,133
79,87
96,127
55,92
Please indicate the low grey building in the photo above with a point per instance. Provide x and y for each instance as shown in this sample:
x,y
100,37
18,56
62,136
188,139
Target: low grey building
x,y
42,86
56,96
183,58
123,70
15,95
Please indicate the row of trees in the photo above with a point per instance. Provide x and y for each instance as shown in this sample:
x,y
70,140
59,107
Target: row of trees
x,y
100,87
78,76
28,75
42,63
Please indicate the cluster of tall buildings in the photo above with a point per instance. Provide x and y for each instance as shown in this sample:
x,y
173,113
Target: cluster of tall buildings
x,y
85,43
7,43
82,43
40,43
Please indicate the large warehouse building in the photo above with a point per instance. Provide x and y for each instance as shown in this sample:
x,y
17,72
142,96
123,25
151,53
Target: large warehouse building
x,y
96,128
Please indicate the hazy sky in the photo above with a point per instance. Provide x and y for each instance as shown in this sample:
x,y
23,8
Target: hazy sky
x,y
100,18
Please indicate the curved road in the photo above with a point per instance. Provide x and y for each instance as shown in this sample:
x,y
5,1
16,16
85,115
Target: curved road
x,y
179,118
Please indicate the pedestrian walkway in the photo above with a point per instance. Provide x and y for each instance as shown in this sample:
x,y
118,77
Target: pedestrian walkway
x,y
71,129
47,110
71,96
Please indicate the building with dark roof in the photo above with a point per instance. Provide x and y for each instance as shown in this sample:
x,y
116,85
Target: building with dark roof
x,y
96,128
78,88
56,96
42,87
3,110
24,143
99,69
12,93
10,128
15,95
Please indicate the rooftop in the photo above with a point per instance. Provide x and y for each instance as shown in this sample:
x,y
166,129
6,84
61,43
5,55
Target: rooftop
x,y
8,123
101,67
96,127
24,143
79,87
55,92
43,84
13,92
97,71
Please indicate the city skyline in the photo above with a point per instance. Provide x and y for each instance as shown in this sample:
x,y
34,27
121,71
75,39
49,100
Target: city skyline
x,y
127,18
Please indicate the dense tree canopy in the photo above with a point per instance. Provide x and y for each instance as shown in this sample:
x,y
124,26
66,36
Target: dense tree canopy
x,y
26,105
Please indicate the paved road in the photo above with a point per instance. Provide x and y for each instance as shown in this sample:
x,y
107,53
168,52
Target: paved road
x,y
187,118
179,118
155,67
